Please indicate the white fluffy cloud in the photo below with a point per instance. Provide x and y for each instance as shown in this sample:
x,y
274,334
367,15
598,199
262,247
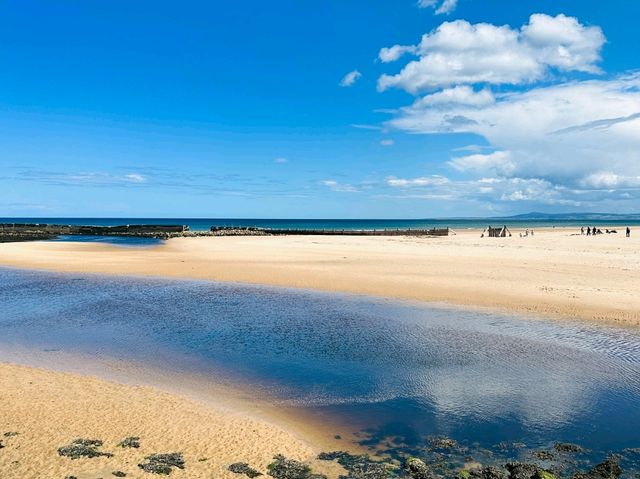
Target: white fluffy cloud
x,y
340,187
462,53
435,180
563,132
350,78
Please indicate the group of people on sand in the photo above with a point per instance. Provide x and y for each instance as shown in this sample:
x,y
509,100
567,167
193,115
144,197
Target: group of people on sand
x,y
597,231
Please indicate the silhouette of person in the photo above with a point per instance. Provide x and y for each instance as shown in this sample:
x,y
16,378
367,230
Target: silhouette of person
x,y
588,230
628,232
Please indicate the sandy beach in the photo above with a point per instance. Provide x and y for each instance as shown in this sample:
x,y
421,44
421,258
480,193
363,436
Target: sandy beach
x,y
555,273
50,409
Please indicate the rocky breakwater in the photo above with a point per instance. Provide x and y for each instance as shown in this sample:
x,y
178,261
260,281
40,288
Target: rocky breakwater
x,y
36,231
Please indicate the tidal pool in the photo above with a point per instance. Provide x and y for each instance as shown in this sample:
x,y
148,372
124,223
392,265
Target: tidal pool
x,y
394,373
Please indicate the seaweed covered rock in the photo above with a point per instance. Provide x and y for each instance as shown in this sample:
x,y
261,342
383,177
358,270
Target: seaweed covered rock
x,y
132,441
567,448
119,474
441,442
358,466
609,469
83,448
487,473
417,469
519,470
162,463
283,468
244,468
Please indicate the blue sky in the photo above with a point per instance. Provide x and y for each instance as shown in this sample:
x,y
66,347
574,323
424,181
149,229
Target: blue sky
x,y
396,109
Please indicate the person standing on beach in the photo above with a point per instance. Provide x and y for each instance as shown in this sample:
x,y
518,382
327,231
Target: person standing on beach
x,y
582,230
588,230
628,232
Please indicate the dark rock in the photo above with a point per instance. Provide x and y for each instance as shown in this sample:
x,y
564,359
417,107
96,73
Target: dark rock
x,y
1,445
162,463
358,466
119,474
417,469
283,468
567,448
317,476
10,434
487,473
609,469
132,441
543,455
519,470
83,448
70,477
441,442
244,468
368,470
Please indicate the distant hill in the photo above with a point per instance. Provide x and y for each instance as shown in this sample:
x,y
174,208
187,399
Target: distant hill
x,y
573,216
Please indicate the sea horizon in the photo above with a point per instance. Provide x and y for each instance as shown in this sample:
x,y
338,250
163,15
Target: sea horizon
x,y
204,224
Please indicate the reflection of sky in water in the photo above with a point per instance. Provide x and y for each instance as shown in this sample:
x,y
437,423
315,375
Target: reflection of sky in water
x,y
376,363
125,241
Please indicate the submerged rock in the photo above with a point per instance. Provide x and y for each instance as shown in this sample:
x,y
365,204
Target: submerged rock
x,y
283,468
132,441
162,463
609,469
567,448
543,455
244,468
442,442
83,448
417,469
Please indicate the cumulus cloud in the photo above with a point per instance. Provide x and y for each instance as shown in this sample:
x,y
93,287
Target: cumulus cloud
x,y
498,162
561,132
444,7
350,78
461,95
462,53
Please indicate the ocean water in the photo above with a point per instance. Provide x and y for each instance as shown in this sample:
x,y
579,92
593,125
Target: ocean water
x,y
393,373
204,224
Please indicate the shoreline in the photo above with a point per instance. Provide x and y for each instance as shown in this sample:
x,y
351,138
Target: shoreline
x,y
555,274
49,409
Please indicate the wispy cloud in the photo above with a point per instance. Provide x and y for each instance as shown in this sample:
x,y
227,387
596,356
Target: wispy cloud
x,y
280,160
350,78
340,187
387,142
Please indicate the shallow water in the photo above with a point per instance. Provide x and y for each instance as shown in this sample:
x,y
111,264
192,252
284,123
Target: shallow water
x,y
394,372
125,241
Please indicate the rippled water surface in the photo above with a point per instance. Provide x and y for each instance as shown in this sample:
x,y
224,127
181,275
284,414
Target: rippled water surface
x,y
396,372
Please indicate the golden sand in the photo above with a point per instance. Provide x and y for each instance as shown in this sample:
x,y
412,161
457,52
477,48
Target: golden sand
x,y
555,273
50,409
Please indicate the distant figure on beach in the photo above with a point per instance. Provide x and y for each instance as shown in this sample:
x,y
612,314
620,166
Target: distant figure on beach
x,y
582,230
531,232
628,232
588,230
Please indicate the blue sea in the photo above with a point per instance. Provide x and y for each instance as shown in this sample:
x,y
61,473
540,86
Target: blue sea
x,y
391,375
204,224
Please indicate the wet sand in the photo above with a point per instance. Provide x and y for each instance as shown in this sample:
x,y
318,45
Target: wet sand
x,y
556,273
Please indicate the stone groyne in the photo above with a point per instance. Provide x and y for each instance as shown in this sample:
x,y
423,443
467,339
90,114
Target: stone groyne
x,y
35,231
238,231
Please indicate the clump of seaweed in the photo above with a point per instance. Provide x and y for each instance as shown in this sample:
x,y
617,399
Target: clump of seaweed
x,y
162,463
132,441
358,466
244,468
83,448
283,468
119,474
